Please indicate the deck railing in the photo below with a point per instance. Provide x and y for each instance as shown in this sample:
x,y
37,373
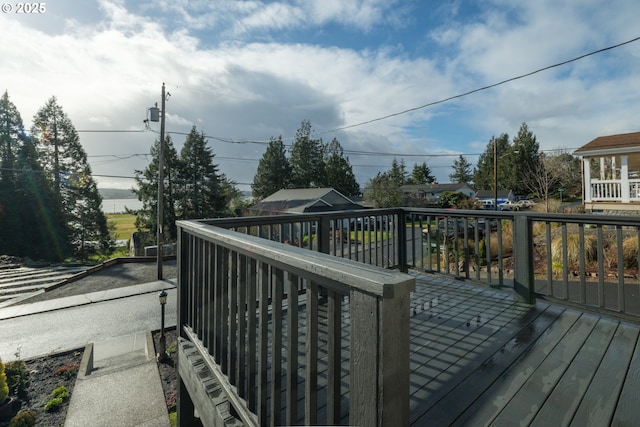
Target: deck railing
x,y
264,322
586,260
239,287
612,190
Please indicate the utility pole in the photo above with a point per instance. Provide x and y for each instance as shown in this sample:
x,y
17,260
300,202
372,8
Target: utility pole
x,y
160,227
495,174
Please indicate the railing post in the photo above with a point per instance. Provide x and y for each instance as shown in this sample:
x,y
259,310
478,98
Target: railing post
x,y
184,407
402,241
524,279
380,358
322,234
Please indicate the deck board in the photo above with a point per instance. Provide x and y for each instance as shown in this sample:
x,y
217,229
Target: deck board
x,y
598,405
560,406
478,357
449,407
526,403
543,364
628,410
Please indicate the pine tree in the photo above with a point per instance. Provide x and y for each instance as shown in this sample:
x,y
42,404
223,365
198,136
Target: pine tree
x,y
31,216
421,174
42,217
339,173
10,122
483,177
307,163
274,171
461,171
147,192
398,172
526,155
201,192
65,162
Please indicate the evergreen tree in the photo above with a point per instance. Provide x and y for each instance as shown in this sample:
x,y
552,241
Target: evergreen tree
x,y
147,192
421,174
339,173
307,163
236,202
65,162
398,172
31,216
483,177
10,122
525,154
201,193
274,171
461,171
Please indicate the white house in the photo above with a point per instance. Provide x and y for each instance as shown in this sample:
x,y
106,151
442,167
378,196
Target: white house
x,y
611,173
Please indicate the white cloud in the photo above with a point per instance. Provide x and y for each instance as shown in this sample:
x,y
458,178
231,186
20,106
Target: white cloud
x,y
107,72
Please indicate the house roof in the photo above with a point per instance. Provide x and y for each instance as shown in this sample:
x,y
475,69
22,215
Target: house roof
x,y
621,143
299,200
435,188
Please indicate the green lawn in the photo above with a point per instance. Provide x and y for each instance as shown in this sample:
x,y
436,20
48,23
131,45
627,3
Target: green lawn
x,y
124,225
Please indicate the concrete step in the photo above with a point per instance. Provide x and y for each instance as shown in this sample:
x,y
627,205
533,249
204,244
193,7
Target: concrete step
x,y
121,353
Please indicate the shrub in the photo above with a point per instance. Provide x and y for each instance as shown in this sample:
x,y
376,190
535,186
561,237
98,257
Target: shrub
x,y
68,371
573,248
53,405
60,392
25,418
507,241
630,251
17,377
4,388
58,396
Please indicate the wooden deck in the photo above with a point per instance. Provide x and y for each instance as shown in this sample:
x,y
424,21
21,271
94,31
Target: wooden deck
x,y
479,358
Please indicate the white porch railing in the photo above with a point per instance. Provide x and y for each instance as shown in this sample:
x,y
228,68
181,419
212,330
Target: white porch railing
x,y
613,190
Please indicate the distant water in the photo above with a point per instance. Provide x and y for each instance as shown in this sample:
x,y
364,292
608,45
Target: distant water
x,y
110,206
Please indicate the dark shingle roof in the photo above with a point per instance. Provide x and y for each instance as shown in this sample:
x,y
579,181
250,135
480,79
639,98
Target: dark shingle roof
x,y
624,142
299,200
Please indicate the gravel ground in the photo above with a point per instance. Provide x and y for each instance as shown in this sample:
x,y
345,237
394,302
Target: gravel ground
x,y
49,372
167,369
115,276
45,375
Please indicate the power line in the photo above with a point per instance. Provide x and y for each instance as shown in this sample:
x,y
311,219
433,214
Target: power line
x,y
430,104
441,101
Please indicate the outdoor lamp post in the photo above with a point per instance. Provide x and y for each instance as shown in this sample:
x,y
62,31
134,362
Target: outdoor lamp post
x,y
163,339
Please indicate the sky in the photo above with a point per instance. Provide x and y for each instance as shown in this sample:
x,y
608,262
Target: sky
x,y
243,72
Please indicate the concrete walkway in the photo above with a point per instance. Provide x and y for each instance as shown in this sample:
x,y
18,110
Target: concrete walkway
x,y
118,384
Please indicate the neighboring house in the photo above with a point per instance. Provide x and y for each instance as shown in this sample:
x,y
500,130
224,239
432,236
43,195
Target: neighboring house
x,y
611,173
303,200
503,196
431,192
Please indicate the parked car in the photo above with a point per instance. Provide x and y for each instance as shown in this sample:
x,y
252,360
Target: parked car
x,y
526,203
509,206
455,228
487,204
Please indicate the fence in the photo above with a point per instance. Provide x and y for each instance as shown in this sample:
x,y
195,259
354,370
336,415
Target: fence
x,y
268,319
258,294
